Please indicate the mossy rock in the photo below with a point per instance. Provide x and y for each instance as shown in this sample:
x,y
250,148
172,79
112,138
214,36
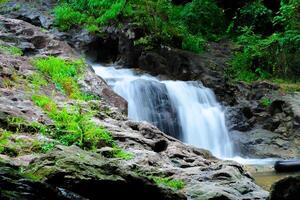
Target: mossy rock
x,y
91,175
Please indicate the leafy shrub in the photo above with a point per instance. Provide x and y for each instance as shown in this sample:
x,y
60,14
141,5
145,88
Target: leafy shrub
x,y
276,55
66,17
289,14
161,21
3,1
193,43
255,14
72,126
203,17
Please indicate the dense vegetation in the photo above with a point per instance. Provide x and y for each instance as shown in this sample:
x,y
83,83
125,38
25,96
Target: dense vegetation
x,y
160,21
271,41
267,31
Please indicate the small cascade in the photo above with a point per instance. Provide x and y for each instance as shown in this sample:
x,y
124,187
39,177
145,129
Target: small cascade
x,y
185,110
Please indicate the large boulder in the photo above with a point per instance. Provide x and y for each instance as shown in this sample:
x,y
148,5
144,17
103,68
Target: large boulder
x,y
13,185
286,189
92,176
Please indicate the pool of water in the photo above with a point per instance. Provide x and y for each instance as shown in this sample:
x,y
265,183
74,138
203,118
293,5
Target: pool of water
x,y
265,175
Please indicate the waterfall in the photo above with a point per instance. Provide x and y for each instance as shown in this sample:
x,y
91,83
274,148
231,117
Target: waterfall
x,y
185,110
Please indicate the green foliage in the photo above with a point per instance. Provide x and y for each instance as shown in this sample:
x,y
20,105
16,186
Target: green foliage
x,y
120,153
160,20
265,101
4,139
203,17
265,56
256,15
276,55
29,175
66,17
289,14
11,50
168,182
63,73
73,126
18,124
37,80
3,1
193,43
47,146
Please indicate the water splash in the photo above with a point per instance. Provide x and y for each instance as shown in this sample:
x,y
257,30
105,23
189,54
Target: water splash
x,y
186,110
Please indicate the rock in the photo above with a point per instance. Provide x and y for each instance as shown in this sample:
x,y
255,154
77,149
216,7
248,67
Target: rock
x,y
93,84
44,43
34,13
14,101
286,189
260,143
90,176
31,39
275,122
153,62
196,167
15,186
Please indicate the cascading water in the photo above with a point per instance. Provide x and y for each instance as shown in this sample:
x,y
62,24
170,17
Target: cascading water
x,y
185,110
201,117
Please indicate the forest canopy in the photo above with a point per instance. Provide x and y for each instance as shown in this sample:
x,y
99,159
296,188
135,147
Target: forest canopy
x,y
267,30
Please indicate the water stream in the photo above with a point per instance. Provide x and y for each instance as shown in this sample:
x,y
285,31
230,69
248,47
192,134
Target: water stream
x,y
186,110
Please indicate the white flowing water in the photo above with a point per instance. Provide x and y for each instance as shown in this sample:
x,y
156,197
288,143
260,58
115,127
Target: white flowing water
x,y
186,110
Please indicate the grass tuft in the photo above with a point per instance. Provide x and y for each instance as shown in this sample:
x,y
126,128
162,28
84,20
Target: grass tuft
x,y
63,73
73,126
174,184
15,51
